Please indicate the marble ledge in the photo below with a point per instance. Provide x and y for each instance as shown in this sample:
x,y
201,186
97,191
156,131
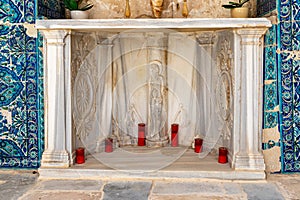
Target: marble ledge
x,y
188,24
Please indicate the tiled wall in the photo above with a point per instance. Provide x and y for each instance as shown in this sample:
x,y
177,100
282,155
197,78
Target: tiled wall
x,y
288,34
21,83
281,135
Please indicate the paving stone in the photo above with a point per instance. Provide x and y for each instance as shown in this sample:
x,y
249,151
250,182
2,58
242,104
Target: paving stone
x,y
69,185
42,195
232,188
16,184
127,190
262,191
185,197
187,188
289,185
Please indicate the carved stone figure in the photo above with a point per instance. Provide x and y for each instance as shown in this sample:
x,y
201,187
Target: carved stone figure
x,y
157,7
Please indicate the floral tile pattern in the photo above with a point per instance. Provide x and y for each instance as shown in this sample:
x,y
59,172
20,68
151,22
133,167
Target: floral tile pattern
x,y
21,82
289,85
20,135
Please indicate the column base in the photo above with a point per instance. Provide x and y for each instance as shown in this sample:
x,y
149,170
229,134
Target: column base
x,y
249,162
58,159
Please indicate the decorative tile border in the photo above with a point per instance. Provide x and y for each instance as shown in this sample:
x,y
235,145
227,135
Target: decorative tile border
x,y
289,90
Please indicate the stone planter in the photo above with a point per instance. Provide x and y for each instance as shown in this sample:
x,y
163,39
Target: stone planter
x,y
241,12
79,14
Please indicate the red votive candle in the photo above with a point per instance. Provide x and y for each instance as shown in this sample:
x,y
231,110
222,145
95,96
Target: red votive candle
x,y
198,145
222,155
174,135
108,145
141,134
80,155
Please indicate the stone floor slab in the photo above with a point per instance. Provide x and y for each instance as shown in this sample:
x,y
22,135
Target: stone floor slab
x,y
232,188
16,184
69,185
262,191
42,195
134,190
181,188
186,197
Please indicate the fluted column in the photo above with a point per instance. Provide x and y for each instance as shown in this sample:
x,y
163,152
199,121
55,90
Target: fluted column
x,y
248,99
56,97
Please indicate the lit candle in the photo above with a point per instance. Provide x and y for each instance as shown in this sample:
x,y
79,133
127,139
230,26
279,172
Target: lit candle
x,y
108,145
223,155
80,155
141,135
198,145
174,135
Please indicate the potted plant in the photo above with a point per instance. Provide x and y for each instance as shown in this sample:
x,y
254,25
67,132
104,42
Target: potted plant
x,y
77,10
237,9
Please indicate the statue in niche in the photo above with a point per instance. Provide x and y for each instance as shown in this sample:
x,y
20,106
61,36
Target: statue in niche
x,y
157,100
157,7
156,103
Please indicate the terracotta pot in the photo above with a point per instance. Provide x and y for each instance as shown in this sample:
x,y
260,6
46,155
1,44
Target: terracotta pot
x,y
241,12
79,14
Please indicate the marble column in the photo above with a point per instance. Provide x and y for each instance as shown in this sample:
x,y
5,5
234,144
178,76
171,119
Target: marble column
x,y
57,100
248,99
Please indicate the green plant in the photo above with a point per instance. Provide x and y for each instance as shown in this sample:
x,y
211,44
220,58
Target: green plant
x,y
235,4
75,5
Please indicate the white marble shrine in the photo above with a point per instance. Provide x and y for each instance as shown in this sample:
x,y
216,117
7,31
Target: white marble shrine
x,y
104,76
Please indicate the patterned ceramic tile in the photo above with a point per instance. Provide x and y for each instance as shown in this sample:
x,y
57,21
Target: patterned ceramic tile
x,y
270,63
52,9
29,11
289,85
12,11
270,119
270,95
286,35
296,9
270,37
265,6
296,64
296,35
285,10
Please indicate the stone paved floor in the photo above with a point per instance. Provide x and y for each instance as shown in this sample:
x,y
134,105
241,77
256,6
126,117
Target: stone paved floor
x,y
25,185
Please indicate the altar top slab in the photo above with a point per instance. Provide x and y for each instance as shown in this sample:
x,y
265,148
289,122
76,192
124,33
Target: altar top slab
x,y
165,23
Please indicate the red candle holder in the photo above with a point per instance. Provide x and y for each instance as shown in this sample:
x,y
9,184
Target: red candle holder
x,y
80,155
141,134
174,135
108,145
223,155
198,145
